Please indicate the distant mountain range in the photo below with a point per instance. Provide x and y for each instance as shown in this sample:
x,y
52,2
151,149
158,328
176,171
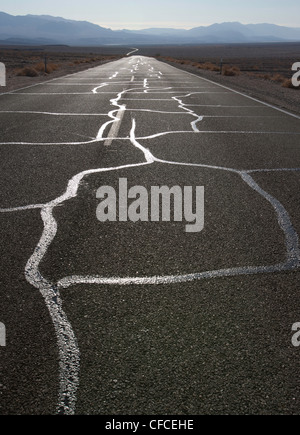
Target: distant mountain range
x,y
44,29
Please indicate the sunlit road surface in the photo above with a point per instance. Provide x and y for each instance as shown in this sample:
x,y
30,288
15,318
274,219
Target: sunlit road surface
x,y
144,317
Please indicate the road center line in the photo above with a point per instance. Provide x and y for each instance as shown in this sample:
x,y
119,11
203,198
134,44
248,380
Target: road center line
x,y
115,128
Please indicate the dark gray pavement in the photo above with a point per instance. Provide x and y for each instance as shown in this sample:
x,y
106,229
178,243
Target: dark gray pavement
x,y
144,318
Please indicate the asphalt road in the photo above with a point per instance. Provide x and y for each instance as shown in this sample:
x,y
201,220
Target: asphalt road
x,y
124,317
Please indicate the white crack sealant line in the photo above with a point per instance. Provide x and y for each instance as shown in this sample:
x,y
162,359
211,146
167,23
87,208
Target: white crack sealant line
x,y
32,112
165,91
284,221
78,84
147,99
67,282
225,106
26,207
103,85
115,118
113,133
89,142
243,116
146,84
134,50
114,76
69,353
148,155
191,112
291,241
60,93
149,90
165,133
274,170
165,112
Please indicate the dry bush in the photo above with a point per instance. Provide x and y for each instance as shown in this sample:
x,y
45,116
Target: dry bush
x,y
278,78
259,76
208,66
37,69
231,71
185,62
264,76
40,67
52,67
211,67
287,83
27,72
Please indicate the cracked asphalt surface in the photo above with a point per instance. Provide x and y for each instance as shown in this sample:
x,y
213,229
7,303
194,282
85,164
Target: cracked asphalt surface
x,y
124,318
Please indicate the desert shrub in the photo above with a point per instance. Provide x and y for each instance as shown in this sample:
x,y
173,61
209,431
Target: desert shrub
x,y
265,76
231,71
287,83
278,78
260,76
37,69
27,72
40,67
210,66
51,68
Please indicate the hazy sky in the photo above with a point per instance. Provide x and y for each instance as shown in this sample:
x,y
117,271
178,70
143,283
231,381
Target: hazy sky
x,y
139,14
